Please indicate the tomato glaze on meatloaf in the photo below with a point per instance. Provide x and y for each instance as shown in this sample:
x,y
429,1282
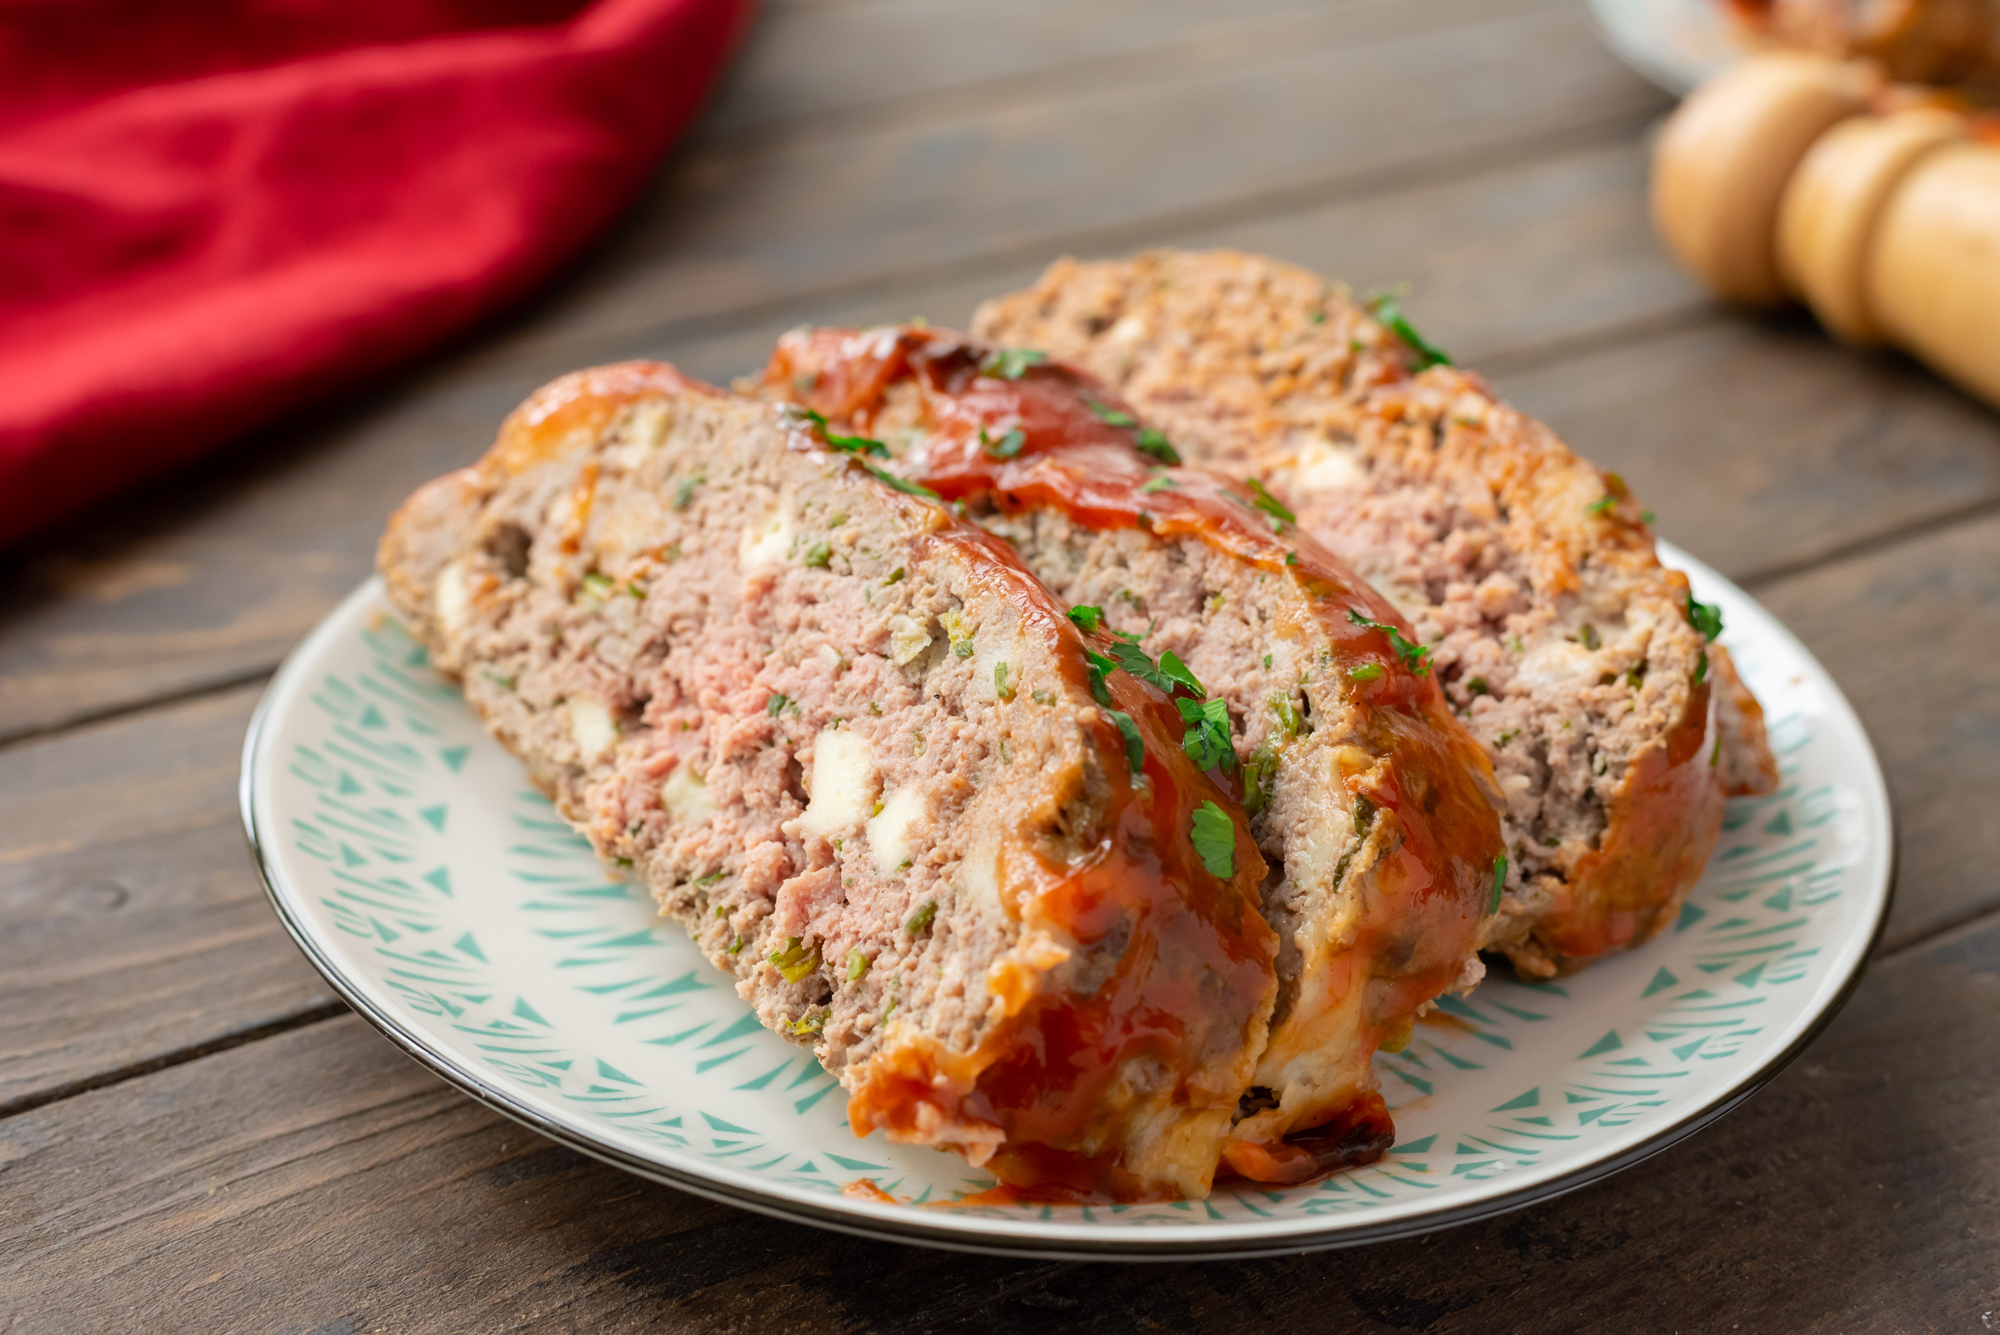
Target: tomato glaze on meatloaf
x,y
859,754
1373,805
1573,656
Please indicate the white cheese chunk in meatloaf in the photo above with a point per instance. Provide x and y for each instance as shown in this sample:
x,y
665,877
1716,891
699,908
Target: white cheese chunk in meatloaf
x,y
856,751
1373,805
1570,653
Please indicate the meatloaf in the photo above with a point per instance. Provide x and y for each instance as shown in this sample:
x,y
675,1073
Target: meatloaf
x,y
866,761
1580,663
1296,682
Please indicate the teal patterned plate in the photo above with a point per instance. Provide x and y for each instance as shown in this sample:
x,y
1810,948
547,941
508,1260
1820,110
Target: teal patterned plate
x,y
448,904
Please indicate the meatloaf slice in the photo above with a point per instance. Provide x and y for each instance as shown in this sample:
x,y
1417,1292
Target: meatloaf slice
x,y
1571,654
1373,805
855,749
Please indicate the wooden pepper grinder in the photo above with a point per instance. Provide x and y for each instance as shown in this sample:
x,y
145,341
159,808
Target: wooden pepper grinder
x,y
1798,176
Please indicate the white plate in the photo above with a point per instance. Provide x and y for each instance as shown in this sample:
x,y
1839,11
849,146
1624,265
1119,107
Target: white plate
x,y
443,898
1674,43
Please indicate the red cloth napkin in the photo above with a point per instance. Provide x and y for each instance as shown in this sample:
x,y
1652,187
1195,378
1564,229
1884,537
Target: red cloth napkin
x,y
212,213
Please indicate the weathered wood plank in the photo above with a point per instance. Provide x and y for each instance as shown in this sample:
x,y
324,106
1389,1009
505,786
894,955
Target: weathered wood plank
x,y
131,922
1764,445
317,1178
1910,634
215,575
1391,92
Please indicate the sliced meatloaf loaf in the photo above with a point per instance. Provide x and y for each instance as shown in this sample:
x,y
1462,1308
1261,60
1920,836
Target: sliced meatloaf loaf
x,y
1578,661
1295,681
862,757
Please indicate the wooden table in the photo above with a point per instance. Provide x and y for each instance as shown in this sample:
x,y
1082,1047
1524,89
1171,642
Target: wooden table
x,y
195,1136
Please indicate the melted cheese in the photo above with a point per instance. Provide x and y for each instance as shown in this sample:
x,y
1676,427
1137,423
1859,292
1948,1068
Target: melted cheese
x,y
595,731
454,600
889,833
843,783
768,543
685,797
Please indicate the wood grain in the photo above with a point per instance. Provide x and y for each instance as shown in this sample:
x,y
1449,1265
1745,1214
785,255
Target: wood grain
x,y
1766,447
318,1178
131,922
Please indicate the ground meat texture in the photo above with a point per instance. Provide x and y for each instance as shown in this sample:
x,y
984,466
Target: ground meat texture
x,y
854,749
1615,729
1373,805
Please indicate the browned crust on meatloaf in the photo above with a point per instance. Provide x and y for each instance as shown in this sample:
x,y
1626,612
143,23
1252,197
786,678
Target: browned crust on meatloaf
x,y
1562,642
766,682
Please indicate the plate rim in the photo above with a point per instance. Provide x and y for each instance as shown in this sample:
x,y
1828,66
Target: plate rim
x,y
1021,1238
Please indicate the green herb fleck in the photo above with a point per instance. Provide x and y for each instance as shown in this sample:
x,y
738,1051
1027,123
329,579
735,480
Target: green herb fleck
x,y
1587,634
1260,776
920,921
1269,504
845,444
1508,736
684,489
1646,515
1006,447
1086,618
819,556
1701,668
1291,558
1600,505
1388,312
597,586
1160,483
710,879
776,705
1287,714
1011,363
1366,672
1499,882
1155,445
903,485
795,961
1111,416
1100,668
505,683
1413,655
1207,737
809,1024
1213,835
1135,748
1000,686
736,946
1705,617
1267,661
623,862
857,965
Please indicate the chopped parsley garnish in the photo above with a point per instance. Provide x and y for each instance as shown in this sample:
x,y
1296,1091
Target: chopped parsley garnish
x,y
1006,447
1388,312
1152,442
1011,363
1259,776
1159,483
1213,835
1000,686
597,586
1087,618
795,961
1366,672
1601,505
895,577
1587,635
1291,558
845,444
1499,882
1207,739
1478,686
819,555
1270,504
1176,671
1701,668
632,587
776,705
1705,617
921,919
684,489
1111,416
1135,749
857,965
710,879
1100,668
903,485
1413,655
